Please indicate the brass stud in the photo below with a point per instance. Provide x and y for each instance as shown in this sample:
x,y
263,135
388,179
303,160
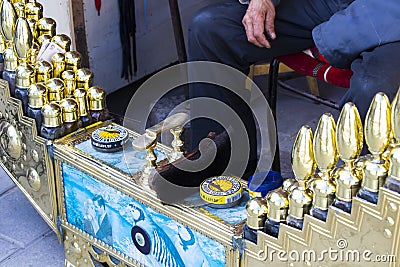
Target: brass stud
x,y
390,221
35,155
387,233
393,207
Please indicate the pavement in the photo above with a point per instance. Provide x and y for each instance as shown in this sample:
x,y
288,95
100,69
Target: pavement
x,y
26,240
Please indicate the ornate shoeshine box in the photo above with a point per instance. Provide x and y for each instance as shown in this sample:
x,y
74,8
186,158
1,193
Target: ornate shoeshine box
x,y
135,228
25,157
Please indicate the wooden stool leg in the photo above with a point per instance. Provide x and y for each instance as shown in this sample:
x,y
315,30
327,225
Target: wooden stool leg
x,y
272,97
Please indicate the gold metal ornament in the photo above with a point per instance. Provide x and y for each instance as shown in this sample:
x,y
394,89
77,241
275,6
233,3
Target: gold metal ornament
x,y
256,209
46,26
55,89
63,41
84,78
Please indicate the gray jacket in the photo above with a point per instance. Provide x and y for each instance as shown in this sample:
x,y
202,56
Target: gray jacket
x,y
363,25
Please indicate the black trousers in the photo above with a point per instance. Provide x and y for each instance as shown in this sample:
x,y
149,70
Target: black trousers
x,y
216,34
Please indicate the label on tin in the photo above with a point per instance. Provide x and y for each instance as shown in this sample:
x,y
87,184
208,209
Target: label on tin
x,y
221,190
109,138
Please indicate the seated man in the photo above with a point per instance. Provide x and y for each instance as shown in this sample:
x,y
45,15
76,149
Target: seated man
x,y
356,34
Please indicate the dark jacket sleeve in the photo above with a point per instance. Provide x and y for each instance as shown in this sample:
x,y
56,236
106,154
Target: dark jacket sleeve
x,y
363,25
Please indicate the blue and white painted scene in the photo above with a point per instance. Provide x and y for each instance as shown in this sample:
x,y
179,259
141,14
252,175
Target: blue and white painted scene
x,y
139,232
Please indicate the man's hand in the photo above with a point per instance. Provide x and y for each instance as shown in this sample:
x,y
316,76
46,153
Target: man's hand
x,y
258,21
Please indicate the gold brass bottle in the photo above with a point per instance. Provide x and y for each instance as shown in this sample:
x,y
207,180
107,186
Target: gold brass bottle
x,y
33,10
377,136
84,78
97,104
393,179
303,165
58,62
37,97
80,97
52,126
68,77
349,138
395,126
8,18
24,73
44,71
326,157
20,8
46,26
289,185
33,53
55,89
257,210
278,206
63,41
69,108
72,60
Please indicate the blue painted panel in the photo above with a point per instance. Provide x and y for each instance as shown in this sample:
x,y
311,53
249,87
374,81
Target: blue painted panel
x,y
128,160
138,231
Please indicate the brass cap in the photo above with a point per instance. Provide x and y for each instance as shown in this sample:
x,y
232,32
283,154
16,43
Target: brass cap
x,y
51,114
80,97
289,184
374,175
57,60
46,26
10,60
22,39
69,81
395,118
34,10
8,19
44,38
300,202
394,171
44,71
72,60
20,9
324,194
33,53
257,210
347,183
2,44
84,78
24,76
55,89
37,95
63,41
69,110
278,205
96,98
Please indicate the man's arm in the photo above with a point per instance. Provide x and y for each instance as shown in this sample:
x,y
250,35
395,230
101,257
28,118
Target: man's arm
x,y
361,26
259,21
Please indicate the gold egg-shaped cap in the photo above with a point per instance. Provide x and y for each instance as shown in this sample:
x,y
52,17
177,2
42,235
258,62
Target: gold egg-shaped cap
x,y
374,176
2,43
22,39
377,124
96,98
394,170
58,62
20,9
395,119
10,59
69,80
278,205
8,18
72,60
44,71
80,96
34,10
51,115
70,108
55,89
63,41
289,184
46,26
24,76
257,210
349,132
37,95
84,78
300,202
303,162
324,144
